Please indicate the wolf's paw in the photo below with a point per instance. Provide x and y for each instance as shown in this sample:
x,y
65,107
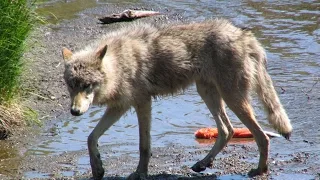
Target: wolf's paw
x,y
137,176
286,135
97,173
257,172
97,169
200,166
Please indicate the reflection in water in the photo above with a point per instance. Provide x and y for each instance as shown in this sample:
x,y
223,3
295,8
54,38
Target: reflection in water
x,y
55,11
9,159
210,142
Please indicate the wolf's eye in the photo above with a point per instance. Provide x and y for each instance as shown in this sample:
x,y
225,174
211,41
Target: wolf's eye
x,y
87,86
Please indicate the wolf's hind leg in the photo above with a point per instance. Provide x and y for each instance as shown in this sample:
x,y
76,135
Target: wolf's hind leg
x,y
215,104
111,115
241,107
143,110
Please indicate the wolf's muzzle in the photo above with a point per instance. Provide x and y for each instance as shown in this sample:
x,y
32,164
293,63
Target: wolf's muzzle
x,y
75,112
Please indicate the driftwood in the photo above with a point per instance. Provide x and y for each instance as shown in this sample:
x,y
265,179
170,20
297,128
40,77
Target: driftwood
x,y
127,15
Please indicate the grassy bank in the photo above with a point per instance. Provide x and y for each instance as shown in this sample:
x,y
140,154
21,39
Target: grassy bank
x,y
16,22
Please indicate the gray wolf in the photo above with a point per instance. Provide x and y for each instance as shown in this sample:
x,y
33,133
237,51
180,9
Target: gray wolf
x,y
128,67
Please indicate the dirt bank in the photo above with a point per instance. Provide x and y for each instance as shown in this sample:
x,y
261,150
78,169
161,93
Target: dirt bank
x,y
49,96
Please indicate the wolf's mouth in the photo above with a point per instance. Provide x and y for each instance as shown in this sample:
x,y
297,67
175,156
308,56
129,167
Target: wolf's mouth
x,y
76,112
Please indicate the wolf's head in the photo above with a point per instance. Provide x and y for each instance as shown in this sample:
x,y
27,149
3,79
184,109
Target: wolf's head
x,y
83,75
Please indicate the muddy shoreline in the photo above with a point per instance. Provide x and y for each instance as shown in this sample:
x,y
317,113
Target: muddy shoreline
x,y
50,97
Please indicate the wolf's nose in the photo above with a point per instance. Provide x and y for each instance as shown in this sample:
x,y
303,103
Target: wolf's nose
x,y
75,112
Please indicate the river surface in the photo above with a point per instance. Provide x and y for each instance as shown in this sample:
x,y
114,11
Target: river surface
x,y
290,33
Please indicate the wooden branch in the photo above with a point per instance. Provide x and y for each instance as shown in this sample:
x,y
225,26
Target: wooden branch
x,y
127,15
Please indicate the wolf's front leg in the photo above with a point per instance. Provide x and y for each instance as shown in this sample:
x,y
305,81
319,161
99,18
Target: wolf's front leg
x,y
111,115
143,111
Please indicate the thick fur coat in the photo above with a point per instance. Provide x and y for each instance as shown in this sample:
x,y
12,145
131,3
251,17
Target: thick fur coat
x,y
128,67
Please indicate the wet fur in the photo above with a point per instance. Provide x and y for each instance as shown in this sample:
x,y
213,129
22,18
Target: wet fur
x,y
128,67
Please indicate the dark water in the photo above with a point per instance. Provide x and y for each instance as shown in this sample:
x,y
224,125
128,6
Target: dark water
x,y
290,32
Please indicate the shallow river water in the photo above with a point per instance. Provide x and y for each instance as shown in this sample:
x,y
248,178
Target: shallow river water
x,y
290,33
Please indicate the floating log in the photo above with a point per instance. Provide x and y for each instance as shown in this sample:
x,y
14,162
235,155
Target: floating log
x,y
127,15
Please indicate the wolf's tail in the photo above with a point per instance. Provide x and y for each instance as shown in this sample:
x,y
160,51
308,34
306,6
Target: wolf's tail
x,y
277,116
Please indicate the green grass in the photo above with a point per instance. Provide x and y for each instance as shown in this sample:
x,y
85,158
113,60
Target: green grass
x,y
17,18
16,22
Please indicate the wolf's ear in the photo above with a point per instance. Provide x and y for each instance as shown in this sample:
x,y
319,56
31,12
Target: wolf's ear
x,y
66,53
101,52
